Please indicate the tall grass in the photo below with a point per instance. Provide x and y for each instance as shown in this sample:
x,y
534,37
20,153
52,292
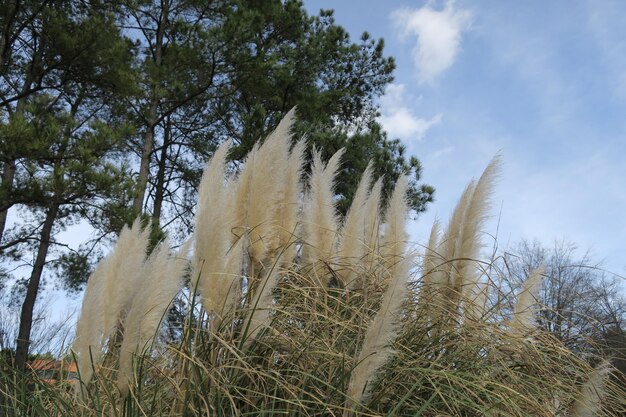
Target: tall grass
x,y
291,310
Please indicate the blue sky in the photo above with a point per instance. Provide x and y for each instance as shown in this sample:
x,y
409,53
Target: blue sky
x,y
543,83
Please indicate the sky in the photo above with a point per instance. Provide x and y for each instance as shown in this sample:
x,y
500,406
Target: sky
x,y
543,84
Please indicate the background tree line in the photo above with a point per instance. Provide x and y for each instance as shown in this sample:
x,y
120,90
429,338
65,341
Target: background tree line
x,y
109,110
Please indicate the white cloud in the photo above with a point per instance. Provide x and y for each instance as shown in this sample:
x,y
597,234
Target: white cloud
x,y
397,118
438,36
403,124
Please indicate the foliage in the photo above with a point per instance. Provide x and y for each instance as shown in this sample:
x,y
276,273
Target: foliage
x,y
232,70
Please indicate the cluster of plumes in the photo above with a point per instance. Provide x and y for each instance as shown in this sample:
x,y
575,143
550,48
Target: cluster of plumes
x,y
126,297
454,293
262,221
451,272
259,226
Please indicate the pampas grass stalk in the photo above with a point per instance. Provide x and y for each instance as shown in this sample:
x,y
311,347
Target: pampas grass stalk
x,y
266,191
129,254
375,350
449,252
352,239
431,259
524,320
469,241
90,328
289,208
433,279
107,298
461,241
476,302
319,216
214,221
127,258
163,275
371,229
592,393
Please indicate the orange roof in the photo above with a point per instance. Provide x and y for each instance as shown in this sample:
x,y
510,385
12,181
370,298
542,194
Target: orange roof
x,y
50,370
43,364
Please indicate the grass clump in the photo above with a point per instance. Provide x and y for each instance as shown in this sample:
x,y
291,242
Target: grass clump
x,y
291,311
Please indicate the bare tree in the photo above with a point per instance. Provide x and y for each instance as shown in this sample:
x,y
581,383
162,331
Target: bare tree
x,y
47,336
582,304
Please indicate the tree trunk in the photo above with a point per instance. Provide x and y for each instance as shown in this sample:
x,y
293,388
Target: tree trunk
x,y
160,178
151,118
26,317
144,167
8,173
5,37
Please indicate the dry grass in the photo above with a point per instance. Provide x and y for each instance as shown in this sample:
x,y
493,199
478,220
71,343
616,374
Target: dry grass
x,y
291,312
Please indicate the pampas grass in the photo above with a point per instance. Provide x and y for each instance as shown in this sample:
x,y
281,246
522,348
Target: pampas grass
x,y
352,247
289,207
90,328
468,243
213,236
371,233
126,260
276,336
163,274
375,349
107,298
524,320
592,393
266,191
320,217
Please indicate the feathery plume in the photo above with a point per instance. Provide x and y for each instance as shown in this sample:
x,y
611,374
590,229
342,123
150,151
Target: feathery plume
x,y
210,233
375,349
431,259
127,257
108,296
371,226
372,216
90,327
394,239
476,301
288,208
163,278
434,280
319,217
523,320
449,252
267,190
352,237
215,221
469,241
592,392
241,194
